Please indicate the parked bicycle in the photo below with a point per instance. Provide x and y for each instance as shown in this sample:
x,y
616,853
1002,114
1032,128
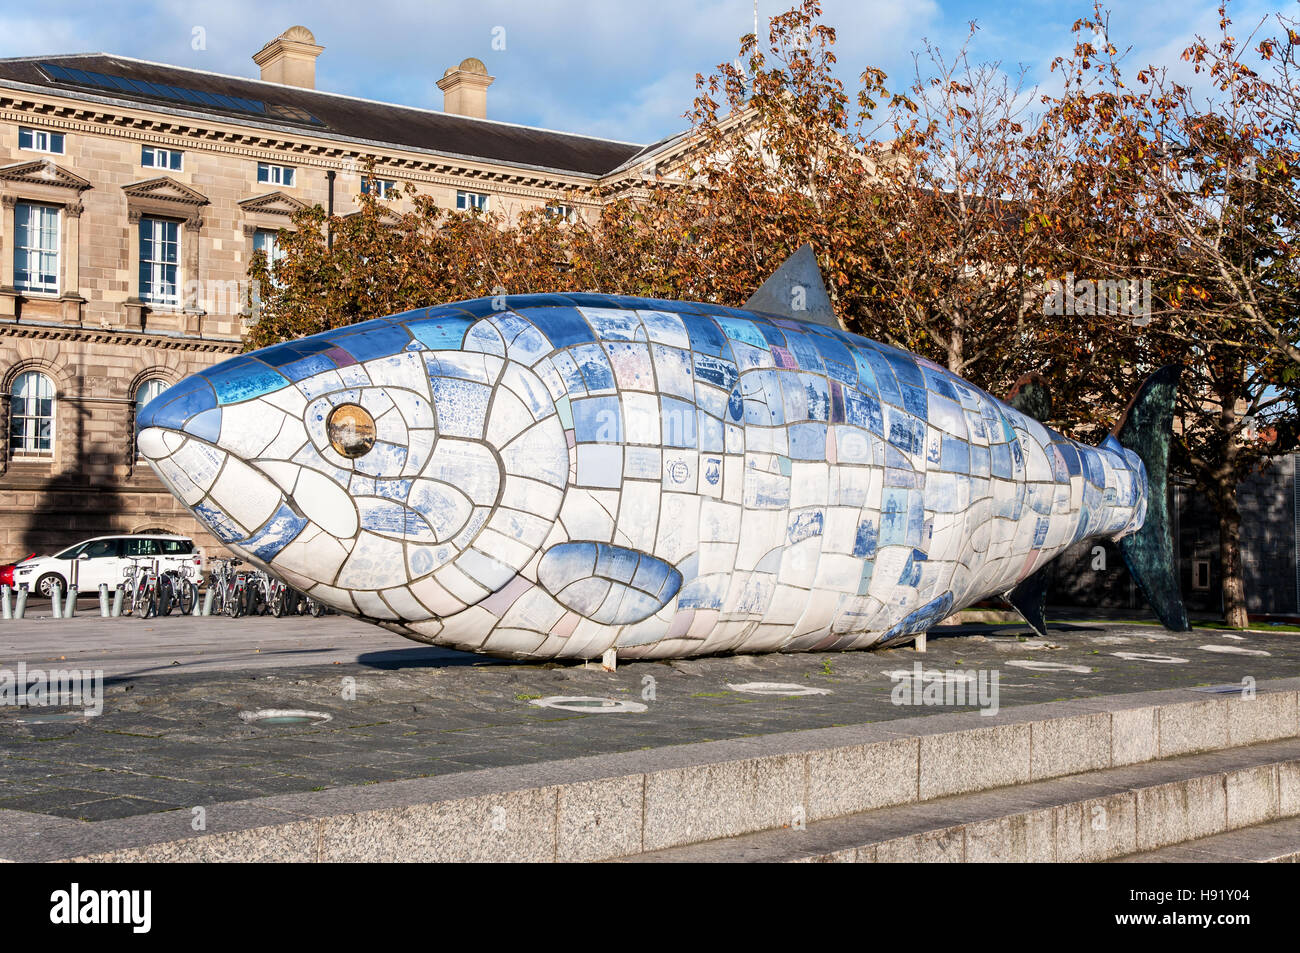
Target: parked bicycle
x,y
150,591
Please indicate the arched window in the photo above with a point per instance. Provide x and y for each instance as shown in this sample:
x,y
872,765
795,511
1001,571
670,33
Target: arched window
x,y
31,415
146,392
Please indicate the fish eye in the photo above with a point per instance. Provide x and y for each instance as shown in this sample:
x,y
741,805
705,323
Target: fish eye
x,y
351,430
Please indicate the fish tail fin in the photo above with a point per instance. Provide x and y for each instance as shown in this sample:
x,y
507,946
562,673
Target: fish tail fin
x,y
1147,430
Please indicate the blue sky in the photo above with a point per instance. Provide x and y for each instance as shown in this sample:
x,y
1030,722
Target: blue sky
x,y
613,68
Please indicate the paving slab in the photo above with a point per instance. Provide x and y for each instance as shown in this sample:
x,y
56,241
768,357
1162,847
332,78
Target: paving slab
x,y
170,737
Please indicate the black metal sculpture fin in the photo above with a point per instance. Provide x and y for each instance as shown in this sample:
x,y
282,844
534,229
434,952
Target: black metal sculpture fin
x,y
796,290
1030,600
1147,430
1032,397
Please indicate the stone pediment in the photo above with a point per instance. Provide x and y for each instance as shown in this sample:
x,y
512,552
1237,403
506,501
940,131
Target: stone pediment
x,y
386,215
164,189
42,172
273,203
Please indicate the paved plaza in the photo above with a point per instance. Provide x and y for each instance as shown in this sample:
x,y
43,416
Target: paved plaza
x,y
171,735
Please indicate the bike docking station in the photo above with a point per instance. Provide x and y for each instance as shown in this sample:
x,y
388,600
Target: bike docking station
x,y
148,590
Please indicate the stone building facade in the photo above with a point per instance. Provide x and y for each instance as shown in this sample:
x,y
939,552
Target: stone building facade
x,y
132,196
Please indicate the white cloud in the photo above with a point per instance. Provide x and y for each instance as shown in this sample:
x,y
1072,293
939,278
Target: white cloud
x,y
625,70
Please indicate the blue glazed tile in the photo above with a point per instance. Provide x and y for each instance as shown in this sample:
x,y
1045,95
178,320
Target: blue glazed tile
x,y
806,353
818,392
864,541
894,504
938,382
307,367
716,371
444,333
886,382
830,348
563,326
178,404
922,619
222,526
911,574
1001,454
705,337
677,422
597,420
710,433
205,426
956,455
808,441
593,363
461,406
904,365
569,373
906,433
743,330
279,531
863,410
381,340
281,354
771,333
803,525
915,402
243,379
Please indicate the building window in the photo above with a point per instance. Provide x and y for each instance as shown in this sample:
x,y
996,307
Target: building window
x,y
36,248
31,415
153,157
146,392
160,255
471,200
565,213
38,140
381,187
275,174
267,241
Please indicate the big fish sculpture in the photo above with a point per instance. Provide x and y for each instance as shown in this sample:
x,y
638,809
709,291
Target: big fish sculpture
x,y
559,475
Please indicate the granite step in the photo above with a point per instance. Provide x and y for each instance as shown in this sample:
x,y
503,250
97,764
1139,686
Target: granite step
x,y
1186,804
1274,843
1088,779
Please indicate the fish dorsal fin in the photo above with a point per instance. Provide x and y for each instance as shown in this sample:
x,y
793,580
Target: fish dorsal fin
x,y
796,290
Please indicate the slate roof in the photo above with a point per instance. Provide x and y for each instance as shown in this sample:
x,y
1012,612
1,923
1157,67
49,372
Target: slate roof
x,y
195,92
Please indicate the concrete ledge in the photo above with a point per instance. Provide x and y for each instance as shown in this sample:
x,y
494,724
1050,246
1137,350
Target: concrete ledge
x,y
624,804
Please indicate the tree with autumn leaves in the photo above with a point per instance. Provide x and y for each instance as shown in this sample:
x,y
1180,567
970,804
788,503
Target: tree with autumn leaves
x,y
941,212
1195,193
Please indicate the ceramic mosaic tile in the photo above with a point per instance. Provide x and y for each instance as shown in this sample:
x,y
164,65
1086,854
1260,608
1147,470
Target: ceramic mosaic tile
x,y
557,475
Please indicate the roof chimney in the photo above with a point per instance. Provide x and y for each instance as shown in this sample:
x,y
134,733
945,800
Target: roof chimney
x,y
464,89
290,59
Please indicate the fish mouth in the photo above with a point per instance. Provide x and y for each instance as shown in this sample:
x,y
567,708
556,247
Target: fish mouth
x,y
238,503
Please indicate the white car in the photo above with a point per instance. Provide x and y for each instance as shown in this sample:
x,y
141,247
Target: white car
x,y
103,560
